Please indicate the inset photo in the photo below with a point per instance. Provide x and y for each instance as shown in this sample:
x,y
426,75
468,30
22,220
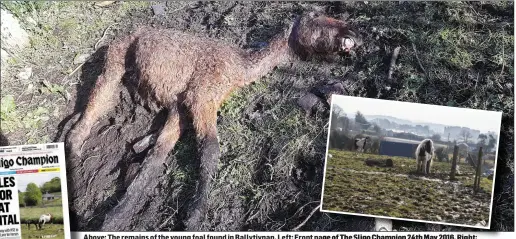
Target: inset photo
x,y
410,161
41,206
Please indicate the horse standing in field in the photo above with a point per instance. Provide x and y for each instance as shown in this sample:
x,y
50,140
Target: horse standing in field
x,y
45,218
425,153
361,144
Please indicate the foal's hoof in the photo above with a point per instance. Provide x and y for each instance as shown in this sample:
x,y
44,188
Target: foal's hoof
x,y
74,150
74,144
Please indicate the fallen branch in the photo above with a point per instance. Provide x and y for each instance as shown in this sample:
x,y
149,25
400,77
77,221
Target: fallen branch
x,y
395,54
307,218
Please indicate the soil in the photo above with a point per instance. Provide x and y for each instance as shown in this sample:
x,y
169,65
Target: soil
x,y
271,169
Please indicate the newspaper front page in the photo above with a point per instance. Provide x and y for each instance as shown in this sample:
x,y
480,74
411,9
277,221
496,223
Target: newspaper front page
x,y
33,195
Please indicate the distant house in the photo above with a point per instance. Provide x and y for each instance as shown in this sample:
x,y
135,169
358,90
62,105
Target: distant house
x,y
400,147
48,196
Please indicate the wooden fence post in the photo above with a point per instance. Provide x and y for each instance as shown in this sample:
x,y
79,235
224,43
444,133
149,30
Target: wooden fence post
x,y
454,162
476,185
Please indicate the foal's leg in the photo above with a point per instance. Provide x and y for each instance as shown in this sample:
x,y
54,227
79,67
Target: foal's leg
x,y
104,96
142,188
205,124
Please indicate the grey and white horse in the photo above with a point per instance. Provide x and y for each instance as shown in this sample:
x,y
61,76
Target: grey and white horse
x,y
425,153
361,144
45,218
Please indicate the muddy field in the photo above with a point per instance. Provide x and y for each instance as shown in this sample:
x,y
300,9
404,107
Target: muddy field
x,y
270,174
353,187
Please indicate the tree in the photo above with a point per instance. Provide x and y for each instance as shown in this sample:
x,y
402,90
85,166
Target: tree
x,y
336,117
338,111
436,137
21,202
492,142
32,195
361,120
482,138
465,134
377,129
52,186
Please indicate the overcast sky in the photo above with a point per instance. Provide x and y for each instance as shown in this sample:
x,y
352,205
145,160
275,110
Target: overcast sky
x,y
475,119
22,180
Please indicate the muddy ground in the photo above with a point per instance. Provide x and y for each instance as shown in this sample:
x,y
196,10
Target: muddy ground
x,y
398,191
270,174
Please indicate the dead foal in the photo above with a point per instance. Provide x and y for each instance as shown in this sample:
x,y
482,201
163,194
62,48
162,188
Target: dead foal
x,y
175,70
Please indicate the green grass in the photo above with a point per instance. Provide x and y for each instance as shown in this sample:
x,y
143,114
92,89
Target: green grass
x,y
489,163
33,213
398,196
48,230
402,165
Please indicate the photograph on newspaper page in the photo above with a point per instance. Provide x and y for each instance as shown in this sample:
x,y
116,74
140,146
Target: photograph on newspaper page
x,y
411,161
33,192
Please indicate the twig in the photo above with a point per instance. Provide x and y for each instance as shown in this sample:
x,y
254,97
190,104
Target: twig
x,y
307,218
298,210
272,169
503,60
395,54
75,70
103,35
417,58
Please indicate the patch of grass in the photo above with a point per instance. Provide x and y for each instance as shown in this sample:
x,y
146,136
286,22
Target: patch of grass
x,y
237,100
13,118
485,184
391,196
8,114
49,230
33,213
356,161
452,46
58,32
23,8
50,88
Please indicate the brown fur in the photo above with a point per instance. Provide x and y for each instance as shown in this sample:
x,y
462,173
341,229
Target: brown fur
x,y
175,70
316,35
